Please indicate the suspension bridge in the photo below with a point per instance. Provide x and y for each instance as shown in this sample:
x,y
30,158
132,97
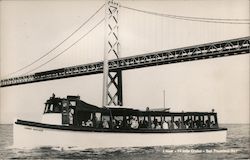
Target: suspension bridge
x,y
113,67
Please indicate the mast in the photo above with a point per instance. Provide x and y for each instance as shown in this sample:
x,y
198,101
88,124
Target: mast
x,y
112,80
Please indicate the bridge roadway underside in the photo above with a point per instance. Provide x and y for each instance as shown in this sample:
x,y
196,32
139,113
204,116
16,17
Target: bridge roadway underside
x,y
205,51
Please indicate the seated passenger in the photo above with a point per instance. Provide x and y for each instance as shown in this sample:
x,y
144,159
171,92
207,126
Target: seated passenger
x,y
155,122
175,125
178,123
145,124
105,124
134,123
89,123
182,125
190,123
141,124
114,123
83,123
152,125
212,124
158,126
165,125
119,123
207,124
171,125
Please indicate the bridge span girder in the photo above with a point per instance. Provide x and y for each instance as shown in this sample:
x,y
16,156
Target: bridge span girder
x,y
205,51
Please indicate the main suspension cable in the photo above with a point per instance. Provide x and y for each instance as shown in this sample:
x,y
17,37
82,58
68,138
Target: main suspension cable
x,y
198,19
59,44
66,48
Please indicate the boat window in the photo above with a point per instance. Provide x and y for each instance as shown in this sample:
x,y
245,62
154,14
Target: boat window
x,y
107,118
141,118
51,108
152,119
177,118
167,118
72,103
119,118
46,108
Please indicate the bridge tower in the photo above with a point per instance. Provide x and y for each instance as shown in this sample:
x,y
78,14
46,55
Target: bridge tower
x,y
112,80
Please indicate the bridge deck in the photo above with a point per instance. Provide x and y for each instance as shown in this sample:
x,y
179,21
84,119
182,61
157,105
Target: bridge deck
x,y
204,51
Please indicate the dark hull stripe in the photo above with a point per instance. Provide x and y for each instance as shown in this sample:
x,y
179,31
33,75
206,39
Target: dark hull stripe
x,y
89,129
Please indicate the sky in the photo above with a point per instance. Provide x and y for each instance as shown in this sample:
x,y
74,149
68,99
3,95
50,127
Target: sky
x,y
29,29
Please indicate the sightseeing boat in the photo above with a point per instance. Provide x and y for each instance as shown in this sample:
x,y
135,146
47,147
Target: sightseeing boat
x,y
74,123
71,122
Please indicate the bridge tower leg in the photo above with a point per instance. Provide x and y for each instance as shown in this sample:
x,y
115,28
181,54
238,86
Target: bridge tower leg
x,y
112,80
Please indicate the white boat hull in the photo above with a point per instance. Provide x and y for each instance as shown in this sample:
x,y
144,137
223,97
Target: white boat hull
x,y
30,136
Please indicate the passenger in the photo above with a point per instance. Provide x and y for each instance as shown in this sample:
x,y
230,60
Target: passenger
x,y
202,124
126,123
94,121
190,123
165,125
83,123
178,123
141,124
119,123
153,126
134,123
198,124
171,125
89,123
158,126
71,114
212,124
144,124
105,124
175,125
195,124
114,123
182,126
155,122
207,123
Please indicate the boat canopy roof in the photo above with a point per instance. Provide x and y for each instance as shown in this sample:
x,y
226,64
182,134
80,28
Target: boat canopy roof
x,y
118,111
83,106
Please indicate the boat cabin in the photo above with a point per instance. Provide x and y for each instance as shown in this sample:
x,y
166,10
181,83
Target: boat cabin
x,y
72,111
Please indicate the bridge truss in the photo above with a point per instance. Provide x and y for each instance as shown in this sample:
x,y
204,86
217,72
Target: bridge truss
x,y
191,53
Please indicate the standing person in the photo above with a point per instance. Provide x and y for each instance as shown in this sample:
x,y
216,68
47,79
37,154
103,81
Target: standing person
x,y
71,115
